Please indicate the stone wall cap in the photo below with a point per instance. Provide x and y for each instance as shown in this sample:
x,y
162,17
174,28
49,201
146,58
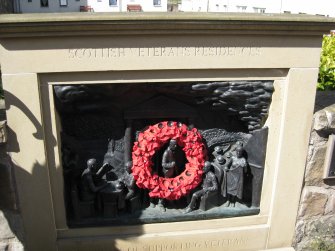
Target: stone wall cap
x,y
151,16
52,24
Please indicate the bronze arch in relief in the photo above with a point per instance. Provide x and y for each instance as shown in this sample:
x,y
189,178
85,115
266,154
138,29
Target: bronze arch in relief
x,y
101,122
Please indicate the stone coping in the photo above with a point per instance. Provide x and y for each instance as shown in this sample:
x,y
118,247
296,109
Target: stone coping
x,y
280,249
23,25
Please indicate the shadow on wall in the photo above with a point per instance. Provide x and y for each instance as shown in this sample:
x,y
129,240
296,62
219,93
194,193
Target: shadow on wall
x,y
34,201
11,229
6,6
327,98
12,100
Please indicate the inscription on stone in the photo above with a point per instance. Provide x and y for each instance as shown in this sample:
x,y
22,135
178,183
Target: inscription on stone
x,y
105,53
219,244
191,245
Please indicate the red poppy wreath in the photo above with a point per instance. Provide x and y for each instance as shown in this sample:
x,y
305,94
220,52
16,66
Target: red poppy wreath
x,y
151,140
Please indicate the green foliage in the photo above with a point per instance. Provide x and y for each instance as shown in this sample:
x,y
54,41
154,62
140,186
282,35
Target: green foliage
x,y
320,244
326,80
324,237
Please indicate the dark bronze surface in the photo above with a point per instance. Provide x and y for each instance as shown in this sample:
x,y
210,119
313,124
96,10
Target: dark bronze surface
x,y
101,122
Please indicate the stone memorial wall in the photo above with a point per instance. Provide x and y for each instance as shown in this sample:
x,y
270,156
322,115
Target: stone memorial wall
x,y
126,135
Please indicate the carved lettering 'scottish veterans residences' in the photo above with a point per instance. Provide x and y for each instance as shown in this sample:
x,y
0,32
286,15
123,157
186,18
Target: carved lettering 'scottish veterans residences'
x,y
104,53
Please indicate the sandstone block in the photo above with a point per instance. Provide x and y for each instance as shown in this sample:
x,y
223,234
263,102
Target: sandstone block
x,y
321,121
317,139
330,113
315,167
302,246
319,225
313,202
299,232
324,120
316,229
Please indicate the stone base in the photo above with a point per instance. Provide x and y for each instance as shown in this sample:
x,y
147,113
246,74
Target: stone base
x,y
280,249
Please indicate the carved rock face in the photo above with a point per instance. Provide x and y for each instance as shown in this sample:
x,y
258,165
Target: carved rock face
x,y
248,100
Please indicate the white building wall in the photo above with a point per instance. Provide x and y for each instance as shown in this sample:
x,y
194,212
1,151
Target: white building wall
x,y
103,6
238,5
322,7
24,6
222,5
218,5
147,5
194,5
274,6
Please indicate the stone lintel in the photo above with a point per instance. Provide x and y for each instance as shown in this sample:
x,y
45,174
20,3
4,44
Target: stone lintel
x,y
69,24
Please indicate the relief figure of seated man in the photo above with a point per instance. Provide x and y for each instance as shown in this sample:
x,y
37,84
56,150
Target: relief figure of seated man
x,y
209,184
88,187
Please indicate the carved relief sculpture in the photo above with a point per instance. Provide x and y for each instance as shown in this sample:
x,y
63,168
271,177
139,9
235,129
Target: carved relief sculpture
x,y
193,149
